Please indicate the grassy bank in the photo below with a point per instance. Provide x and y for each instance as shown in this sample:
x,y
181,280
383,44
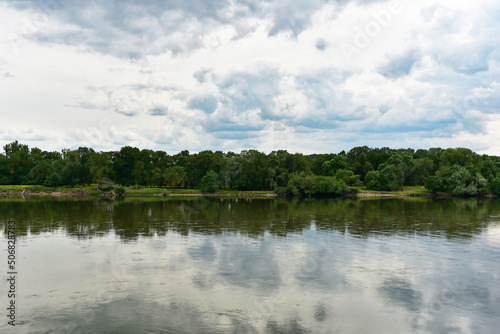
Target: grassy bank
x,y
33,190
415,191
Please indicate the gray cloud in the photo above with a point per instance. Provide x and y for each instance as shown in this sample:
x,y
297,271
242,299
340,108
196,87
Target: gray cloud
x,y
321,44
401,65
135,28
438,78
207,104
158,110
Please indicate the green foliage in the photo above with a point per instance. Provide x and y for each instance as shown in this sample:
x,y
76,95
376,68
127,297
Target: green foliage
x,y
157,177
253,171
348,177
372,180
302,184
331,167
422,168
175,176
53,180
391,176
123,163
106,185
39,173
434,184
461,182
209,183
120,191
317,161
490,170
99,165
495,186
456,170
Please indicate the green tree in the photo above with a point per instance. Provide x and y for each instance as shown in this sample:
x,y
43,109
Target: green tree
x,y
372,180
331,167
39,173
348,177
422,168
100,165
157,177
71,167
199,164
317,161
84,173
17,163
302,184
231,170
123,163
391,176
175,176
490,170
434,184
138,173
56,178
495,186
254,170
5,175
461,182
209,182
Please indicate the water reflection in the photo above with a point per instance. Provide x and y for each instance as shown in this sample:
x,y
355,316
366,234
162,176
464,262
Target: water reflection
x,y
257,266
131,218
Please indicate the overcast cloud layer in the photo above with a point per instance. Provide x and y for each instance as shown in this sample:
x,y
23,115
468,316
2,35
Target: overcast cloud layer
x,y
306,76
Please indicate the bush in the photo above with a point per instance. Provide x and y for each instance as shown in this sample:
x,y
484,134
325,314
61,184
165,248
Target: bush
x,y
120,191
434,184
372,180
53,180
461,182
314,185
209,183
391,177
105,184
495,186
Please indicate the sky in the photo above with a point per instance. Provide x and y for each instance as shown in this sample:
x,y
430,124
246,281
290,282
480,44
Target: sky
x,y
312,76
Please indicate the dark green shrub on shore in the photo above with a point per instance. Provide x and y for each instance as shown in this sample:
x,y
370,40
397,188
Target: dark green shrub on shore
x,y
209,182
434,184
495,186
301,184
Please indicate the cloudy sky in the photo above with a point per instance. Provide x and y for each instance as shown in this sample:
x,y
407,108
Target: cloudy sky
x,y
306,76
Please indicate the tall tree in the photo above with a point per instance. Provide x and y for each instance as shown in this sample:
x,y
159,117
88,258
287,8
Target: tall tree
x,y
123,164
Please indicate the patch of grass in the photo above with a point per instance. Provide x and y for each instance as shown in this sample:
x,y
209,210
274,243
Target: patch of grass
x,y
407,190
137,190
143,190
40,189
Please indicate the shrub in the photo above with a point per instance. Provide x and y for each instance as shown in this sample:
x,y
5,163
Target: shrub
x,y
434,184
372,180
495,186
105,184
314,185
209,183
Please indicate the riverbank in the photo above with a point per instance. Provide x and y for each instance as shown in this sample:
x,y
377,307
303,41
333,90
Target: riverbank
x,y
28,190
24,191
415,191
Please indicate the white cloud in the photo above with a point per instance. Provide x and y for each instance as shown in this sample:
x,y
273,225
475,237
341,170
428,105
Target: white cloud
x,y
196,75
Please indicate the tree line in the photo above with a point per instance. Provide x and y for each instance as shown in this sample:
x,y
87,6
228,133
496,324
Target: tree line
x,y
455,170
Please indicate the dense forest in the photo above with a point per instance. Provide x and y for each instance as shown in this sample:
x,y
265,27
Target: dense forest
x,y
459,171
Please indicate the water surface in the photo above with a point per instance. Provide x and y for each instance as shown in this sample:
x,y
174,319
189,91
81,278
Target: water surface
x,y
209,265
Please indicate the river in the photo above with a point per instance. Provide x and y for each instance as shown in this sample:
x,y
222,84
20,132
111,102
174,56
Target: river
x,y
210,265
